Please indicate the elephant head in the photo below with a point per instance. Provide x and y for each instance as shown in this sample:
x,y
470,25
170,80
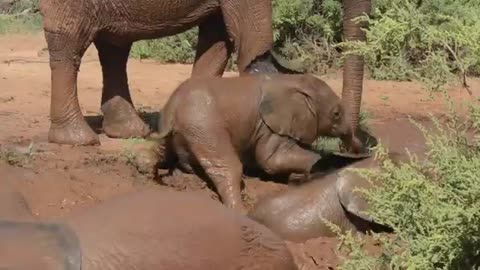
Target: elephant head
x,y
304,108
353,67
352,200
349,186
299,213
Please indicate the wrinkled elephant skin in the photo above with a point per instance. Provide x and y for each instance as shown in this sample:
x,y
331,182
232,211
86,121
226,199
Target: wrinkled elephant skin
x,y
218,126
144,230
70,26
297,214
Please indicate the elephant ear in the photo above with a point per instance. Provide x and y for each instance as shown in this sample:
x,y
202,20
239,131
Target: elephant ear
x,y
288,109
351,199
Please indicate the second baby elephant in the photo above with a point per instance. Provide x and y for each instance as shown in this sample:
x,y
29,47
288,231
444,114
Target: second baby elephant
x,y
216,126
141,230
298,214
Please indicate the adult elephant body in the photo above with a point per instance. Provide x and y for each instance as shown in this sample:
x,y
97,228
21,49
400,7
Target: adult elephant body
x,y
72,25
143,230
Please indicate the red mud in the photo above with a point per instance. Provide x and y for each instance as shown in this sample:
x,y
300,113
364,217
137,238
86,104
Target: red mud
x,y
57,179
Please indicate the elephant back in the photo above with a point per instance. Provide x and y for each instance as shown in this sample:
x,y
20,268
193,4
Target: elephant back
x,y
43,246
14,206
181,225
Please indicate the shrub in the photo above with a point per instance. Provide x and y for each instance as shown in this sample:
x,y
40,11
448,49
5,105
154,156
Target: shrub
x,y
433,207
12,24
21,6
428,40
21,17
306,31
173,49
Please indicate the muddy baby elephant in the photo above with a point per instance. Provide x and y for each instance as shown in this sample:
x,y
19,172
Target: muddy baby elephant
x,y
214,127
298,214
143,230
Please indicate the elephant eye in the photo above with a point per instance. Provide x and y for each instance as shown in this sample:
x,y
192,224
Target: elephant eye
x,y
337,114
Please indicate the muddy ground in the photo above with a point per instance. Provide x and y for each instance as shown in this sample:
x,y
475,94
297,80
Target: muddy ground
x,y
57,179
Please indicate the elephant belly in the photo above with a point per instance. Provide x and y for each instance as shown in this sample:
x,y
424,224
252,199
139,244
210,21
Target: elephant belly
x,y
147,19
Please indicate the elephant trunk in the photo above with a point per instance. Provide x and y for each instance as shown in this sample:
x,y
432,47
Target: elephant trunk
x,y
352,143
354,64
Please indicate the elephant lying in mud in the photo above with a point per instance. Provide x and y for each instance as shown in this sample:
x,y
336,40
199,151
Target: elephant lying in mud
x,y
70,26
214,127
143,230
296,214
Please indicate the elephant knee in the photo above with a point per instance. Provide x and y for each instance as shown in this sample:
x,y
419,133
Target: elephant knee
x,y
273,165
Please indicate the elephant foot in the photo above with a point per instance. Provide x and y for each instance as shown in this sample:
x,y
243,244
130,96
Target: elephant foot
x,y
77,132
120,120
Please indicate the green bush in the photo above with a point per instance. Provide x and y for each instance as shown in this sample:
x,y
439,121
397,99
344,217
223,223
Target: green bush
x,y
306,31
24,6
434,207
14,24
173,49
22,17
429,40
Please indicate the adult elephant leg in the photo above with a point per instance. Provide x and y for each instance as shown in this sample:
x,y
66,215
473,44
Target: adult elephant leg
x,y
354,64
213,48
249,24
120,119
67,123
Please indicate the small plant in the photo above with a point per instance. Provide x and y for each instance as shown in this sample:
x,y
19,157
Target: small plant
x,y
128,149
16,157
329,145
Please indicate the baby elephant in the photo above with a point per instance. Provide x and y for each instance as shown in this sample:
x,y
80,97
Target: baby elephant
x,y
213,127
144,230
298,214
